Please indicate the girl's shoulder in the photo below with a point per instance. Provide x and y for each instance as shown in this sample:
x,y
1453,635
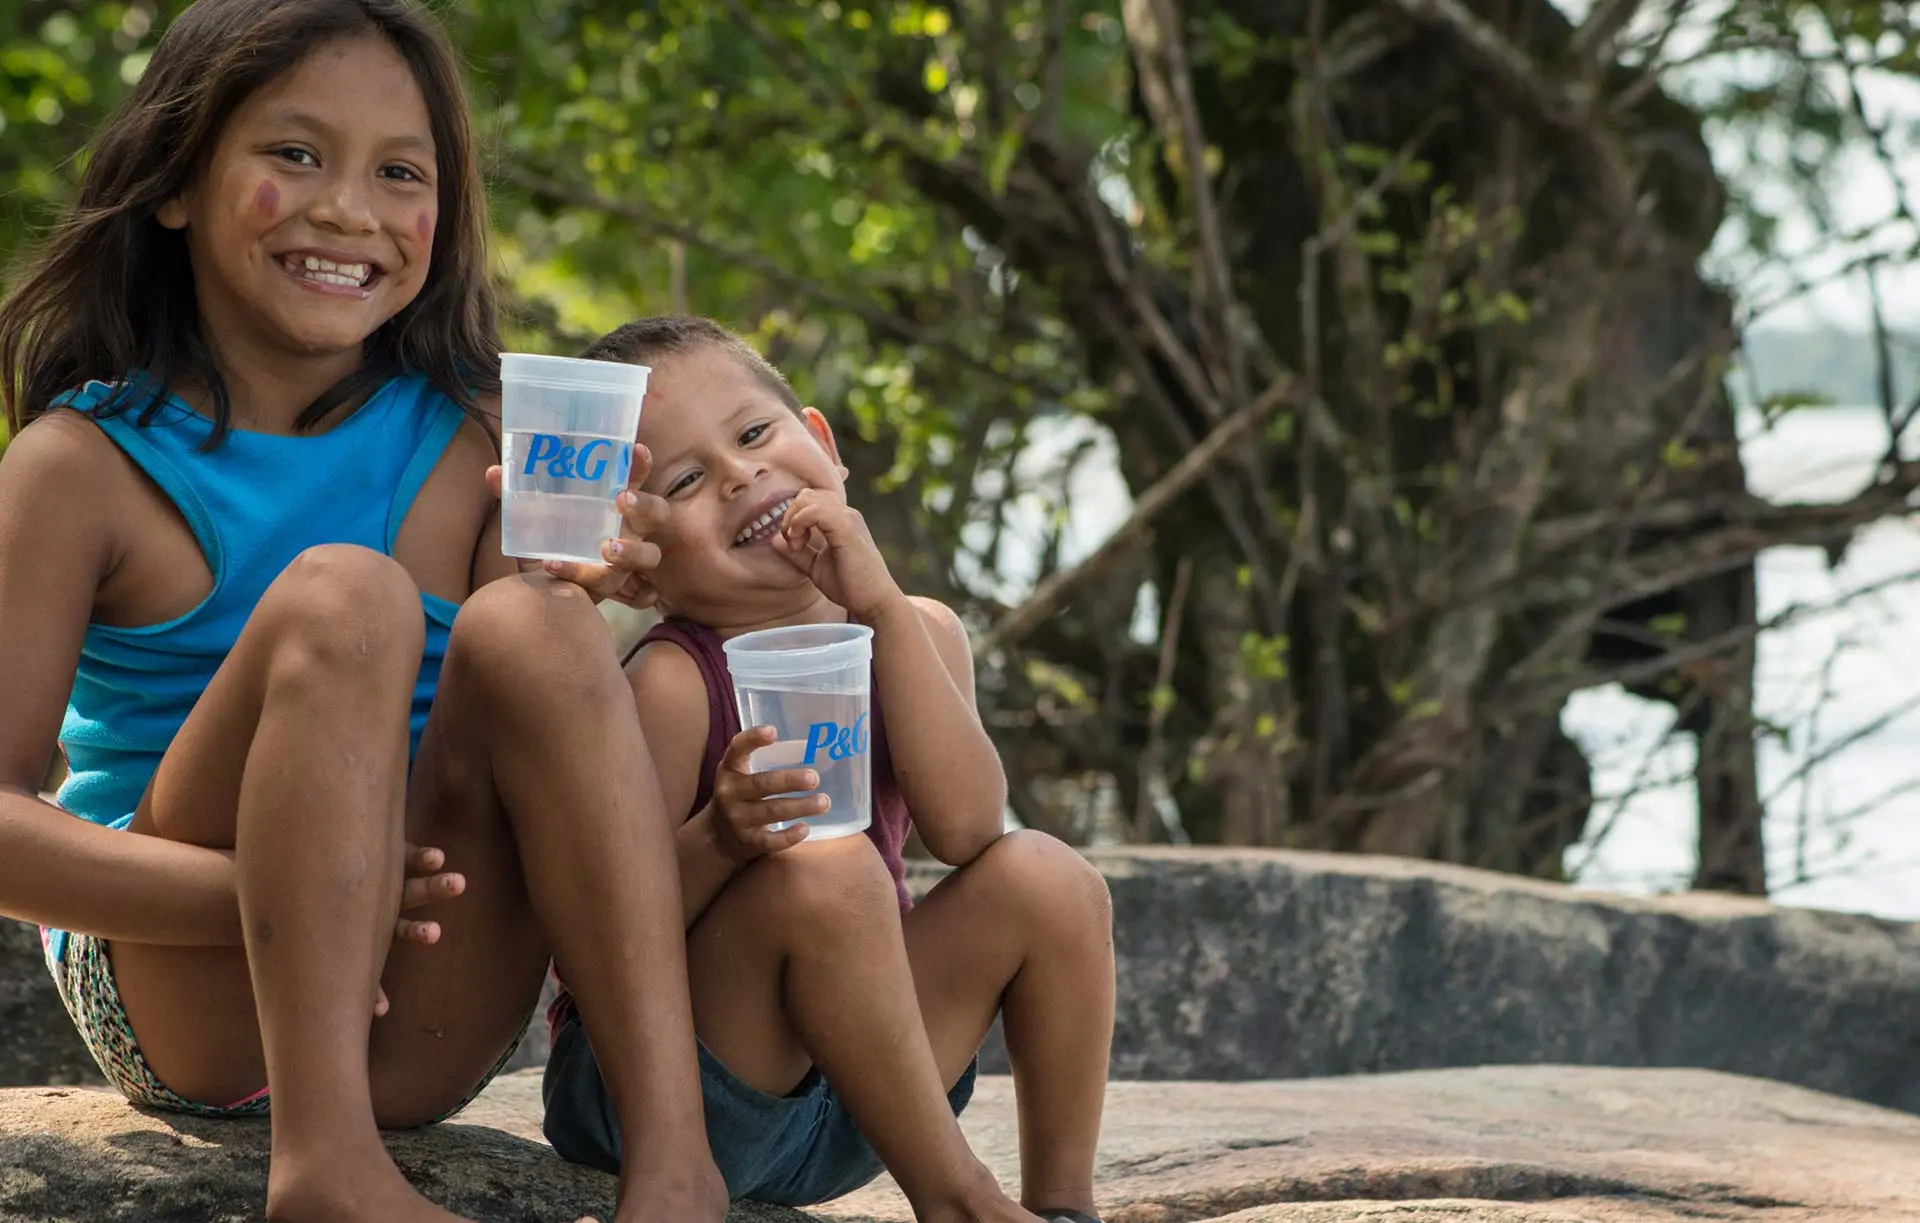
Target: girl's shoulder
x,y
66,486
64,447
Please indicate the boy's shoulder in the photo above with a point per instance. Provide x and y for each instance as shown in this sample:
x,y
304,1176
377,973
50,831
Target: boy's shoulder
x,y
939,616
663,669
950,638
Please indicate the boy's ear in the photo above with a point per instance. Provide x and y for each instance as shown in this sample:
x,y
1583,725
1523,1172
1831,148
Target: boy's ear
x,y
816,423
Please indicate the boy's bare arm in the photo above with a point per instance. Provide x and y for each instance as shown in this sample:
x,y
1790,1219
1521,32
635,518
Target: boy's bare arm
x,y
672,699
947,767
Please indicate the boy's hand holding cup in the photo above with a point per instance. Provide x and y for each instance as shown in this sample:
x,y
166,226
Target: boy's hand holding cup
x,y
748,814
571,473
630,557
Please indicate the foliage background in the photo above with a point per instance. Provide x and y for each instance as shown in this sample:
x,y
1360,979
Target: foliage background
x,y
955,227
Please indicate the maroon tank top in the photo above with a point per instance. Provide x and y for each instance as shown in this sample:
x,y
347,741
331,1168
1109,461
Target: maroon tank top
x,y
890,825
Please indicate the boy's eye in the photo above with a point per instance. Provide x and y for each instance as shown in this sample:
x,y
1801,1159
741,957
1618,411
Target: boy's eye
x,y
752,434
682,482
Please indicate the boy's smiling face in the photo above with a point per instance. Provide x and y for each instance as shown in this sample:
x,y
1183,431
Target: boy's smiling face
x,y
728,455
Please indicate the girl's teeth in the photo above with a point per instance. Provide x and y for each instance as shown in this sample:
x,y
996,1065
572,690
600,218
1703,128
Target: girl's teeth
x,y
325,271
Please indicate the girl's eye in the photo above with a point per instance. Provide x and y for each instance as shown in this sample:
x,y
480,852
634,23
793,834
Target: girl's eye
x,y
299,157
403,174
752,434
682,483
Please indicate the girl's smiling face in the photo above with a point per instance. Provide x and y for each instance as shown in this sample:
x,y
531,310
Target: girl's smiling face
x,y
728,456
312,222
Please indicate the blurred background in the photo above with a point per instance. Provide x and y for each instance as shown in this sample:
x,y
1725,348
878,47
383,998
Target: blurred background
x,y
1466,429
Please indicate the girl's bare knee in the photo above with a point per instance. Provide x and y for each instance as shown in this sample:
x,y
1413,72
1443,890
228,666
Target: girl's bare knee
x,y
538,632
340,604
344,615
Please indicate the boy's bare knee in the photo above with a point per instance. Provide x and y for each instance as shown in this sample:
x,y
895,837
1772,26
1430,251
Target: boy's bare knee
x,y
830,885
338,608
1039,871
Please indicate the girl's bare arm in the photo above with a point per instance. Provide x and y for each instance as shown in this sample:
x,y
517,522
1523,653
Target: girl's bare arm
x,y
57,542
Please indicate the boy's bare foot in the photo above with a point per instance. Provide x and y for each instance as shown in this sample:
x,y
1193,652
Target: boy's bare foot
x,y
676,1190
368,1189
981,1201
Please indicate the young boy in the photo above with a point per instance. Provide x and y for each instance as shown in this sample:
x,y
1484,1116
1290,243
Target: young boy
x,y
838,1021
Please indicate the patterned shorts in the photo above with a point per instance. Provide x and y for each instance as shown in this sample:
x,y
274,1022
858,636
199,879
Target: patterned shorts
x,y
84,976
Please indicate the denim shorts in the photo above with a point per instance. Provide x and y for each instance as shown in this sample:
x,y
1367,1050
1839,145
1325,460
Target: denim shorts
x,y
799,1149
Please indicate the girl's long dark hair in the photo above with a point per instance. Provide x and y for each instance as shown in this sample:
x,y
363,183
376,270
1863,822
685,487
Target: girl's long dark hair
x,y
111,291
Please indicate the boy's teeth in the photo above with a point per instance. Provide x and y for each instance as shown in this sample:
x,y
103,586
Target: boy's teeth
x,y
763,522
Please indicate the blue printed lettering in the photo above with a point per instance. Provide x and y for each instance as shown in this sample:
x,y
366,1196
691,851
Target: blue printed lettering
x,y
592,450
840,741
545,446
819,735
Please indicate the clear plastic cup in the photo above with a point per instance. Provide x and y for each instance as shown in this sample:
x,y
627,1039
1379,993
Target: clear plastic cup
x,y
569,427
811,684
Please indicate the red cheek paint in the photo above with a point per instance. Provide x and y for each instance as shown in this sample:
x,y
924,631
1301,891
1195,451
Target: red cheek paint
x,y
423,226
266,199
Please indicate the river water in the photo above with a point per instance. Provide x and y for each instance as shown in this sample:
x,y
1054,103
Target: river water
x,y
1843,832
1843,780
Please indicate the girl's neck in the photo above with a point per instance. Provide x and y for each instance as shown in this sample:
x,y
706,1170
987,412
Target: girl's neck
x,y
267,392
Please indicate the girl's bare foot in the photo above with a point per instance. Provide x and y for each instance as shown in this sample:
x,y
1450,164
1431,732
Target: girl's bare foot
x,y
368,1189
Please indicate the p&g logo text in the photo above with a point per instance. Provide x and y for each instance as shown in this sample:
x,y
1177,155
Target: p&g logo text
x,y
839,741
564,461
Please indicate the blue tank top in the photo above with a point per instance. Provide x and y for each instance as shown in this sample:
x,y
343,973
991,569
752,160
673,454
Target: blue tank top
x,y
254,503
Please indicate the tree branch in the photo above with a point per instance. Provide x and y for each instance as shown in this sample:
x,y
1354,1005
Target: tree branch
x,y
1048,597
1488,52
1594,40
1206,213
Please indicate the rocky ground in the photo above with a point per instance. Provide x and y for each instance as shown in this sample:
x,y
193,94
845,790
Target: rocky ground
x,y
1249,964
1315,972
1510,1144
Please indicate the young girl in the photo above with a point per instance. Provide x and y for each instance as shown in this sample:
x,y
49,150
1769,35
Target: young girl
x,y
248,493
838,1022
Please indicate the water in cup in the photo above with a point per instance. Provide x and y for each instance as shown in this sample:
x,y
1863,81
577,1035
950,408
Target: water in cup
x,y
561,488
835,742
567,449
811,683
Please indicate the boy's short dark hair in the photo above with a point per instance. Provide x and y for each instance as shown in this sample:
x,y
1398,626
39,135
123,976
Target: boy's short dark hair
x,y
648,341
